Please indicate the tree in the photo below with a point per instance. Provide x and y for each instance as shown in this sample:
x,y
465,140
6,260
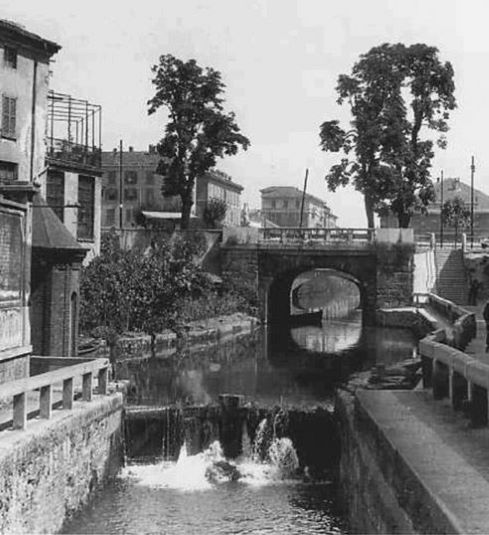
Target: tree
x,y
214,212
455,214
198,130
395,93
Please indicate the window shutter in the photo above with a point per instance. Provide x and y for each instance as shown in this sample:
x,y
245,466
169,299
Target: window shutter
x,y
5,115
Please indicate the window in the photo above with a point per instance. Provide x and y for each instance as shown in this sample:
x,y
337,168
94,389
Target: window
x,y
10,57
286,204
8,171
55,192
131,177
9,105
86,201
111,194
130,194
273,203
149,197
150,177
129,216
111,175
297,204
109,219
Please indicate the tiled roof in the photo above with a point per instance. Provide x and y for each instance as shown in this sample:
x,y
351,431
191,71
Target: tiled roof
x,y
289,192
48,232
453,187
18,33
131,159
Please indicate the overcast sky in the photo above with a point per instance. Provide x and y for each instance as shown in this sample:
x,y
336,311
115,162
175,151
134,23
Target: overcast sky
x,y
279,59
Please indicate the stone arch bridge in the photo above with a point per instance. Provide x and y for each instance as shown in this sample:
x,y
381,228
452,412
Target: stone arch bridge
x,y
379,261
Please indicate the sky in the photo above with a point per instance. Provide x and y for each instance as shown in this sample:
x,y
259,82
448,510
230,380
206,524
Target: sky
x,y
280,61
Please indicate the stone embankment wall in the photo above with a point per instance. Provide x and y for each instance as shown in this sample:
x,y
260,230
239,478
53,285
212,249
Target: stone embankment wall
x,y
49,469
213,330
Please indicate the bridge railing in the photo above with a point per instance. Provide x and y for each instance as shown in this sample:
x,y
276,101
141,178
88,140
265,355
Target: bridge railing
x,y
294,235
67,369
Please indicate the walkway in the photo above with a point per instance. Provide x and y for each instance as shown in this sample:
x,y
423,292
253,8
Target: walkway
x,y
477,347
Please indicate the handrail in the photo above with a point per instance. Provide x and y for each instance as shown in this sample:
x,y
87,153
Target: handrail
x,y
323,234
45,381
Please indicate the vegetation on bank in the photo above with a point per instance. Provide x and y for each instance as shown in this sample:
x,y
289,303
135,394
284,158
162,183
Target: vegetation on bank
x,y
127,291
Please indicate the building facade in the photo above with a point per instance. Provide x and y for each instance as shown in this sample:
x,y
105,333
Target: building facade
x,y
71,184
430,223
218,185
131,185
283,205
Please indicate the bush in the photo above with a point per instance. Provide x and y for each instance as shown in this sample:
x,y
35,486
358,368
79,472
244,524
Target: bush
x,y
214,212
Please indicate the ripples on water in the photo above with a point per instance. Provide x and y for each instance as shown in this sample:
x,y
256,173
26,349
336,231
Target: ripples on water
x,y
178,498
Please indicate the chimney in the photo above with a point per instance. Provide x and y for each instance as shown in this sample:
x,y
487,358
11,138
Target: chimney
x,y
131,149
114,150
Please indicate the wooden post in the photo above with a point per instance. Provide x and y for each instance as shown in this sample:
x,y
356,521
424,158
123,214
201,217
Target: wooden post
x,y
87,386
102,381
20,411
68,394
45,405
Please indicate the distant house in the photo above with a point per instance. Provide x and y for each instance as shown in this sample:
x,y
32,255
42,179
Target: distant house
x,y
131,185
218,185
282,205
430,221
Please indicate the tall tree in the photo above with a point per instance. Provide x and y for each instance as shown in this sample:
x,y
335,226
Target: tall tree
x,y
396,93
455,214
198,130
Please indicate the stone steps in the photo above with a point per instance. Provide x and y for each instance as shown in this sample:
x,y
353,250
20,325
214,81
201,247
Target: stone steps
x,y
451,276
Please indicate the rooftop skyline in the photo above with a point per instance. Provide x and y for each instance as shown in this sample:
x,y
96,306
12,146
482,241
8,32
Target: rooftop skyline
x,y
280,61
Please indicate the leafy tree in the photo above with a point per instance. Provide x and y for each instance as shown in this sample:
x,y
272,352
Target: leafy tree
x,y
455,214
198,130
395,93
214,212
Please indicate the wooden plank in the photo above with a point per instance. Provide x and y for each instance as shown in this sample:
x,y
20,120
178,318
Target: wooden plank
x,y
46,402
20,411
68,393
44,379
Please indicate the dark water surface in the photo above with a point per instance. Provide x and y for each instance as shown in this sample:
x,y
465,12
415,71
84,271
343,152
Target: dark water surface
x,y
297,366
283,366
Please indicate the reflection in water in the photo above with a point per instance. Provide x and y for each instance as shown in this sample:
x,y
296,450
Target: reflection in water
x,y
333,336
296,366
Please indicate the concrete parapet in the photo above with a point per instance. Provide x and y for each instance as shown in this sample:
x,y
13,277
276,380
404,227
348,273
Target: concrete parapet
x,y
49,469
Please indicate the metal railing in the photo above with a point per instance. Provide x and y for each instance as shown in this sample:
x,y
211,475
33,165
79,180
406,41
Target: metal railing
x,y
285,235
67,370
68,151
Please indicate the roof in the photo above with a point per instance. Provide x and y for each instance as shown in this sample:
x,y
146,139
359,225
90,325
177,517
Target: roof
x,y
453,187
134,158
223,179
47,230
17,33
290,192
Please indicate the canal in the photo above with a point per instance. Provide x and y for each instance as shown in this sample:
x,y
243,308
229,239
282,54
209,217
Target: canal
x,y
203,492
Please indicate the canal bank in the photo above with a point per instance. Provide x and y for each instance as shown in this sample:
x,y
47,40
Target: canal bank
x,y
50,469
410,464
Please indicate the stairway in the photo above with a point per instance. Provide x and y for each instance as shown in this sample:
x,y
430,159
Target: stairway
x,y
451,275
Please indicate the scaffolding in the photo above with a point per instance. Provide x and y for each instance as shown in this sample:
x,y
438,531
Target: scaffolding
x,y
74,130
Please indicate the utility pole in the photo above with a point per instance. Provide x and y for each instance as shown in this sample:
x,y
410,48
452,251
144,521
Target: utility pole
x,y
303,198
120,184
472,171
441,209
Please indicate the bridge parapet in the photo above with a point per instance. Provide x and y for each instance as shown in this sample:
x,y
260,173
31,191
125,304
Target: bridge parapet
x,y
315,237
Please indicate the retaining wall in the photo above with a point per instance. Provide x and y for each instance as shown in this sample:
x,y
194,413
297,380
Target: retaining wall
x,y
48,470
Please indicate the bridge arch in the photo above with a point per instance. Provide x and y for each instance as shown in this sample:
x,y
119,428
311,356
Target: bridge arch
x,y
277,272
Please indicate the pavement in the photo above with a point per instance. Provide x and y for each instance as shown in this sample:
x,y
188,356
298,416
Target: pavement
x,y
438,454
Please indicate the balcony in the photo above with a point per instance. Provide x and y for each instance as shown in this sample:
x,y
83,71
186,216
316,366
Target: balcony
x,y
74,132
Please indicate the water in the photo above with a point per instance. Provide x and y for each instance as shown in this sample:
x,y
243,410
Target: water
x,y
265,491
298,366
205,493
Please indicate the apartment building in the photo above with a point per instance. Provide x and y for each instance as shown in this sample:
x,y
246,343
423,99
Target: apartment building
x,y
283,206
